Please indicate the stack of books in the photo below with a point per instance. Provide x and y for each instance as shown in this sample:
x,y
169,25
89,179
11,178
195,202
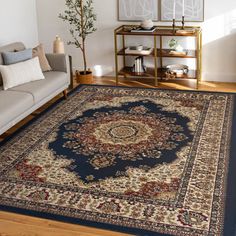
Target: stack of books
x,y
138,66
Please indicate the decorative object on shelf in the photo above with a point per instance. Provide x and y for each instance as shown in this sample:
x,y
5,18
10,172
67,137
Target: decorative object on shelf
x,y
139,50
138,66
179,48
139,47
137,10
183,22
192,10
58,46
142,30
173,43
183,13
79,14
173,26
178,69
147,24
176,48
129,28
174,10
169,75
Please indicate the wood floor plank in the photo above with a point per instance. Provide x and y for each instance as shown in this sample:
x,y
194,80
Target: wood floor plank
x,y
20,225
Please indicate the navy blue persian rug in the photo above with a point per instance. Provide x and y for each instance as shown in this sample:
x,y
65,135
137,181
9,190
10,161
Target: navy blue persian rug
x,y
141,161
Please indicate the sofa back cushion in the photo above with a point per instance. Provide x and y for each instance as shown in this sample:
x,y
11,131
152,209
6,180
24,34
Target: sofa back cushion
x,y
18,46
15,57
40,53
21,73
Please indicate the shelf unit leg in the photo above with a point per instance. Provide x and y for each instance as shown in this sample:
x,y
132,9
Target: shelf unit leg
x,y
199,60
116,60
155,61
124,58
123,45
161,58
201,56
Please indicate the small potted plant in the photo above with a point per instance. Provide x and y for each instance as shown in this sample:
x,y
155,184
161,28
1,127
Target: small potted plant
x,y
173,44
79,14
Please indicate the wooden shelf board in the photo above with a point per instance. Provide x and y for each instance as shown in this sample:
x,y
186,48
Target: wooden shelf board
x,y
158,32
127,71
150,73
166,53
122,53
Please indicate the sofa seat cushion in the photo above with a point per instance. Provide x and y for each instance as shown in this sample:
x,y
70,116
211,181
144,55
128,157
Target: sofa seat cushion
x,y
53,81
13,104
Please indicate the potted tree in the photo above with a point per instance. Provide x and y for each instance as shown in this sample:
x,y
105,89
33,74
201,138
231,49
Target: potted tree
x,y
79,14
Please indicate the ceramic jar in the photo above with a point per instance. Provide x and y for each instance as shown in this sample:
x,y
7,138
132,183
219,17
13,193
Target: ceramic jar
x,y
58,45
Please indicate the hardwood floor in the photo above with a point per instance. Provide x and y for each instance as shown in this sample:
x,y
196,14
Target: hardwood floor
x,y
20,225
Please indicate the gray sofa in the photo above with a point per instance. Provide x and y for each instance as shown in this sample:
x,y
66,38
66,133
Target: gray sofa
x,y
18,102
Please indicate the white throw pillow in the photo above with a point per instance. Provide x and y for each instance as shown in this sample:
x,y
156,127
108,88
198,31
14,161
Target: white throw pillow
x,y
21,73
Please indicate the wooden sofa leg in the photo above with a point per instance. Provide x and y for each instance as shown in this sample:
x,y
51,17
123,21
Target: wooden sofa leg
x,y
65,94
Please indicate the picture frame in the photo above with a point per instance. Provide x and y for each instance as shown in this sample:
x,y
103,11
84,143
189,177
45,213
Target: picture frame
x,y
194,10
138,10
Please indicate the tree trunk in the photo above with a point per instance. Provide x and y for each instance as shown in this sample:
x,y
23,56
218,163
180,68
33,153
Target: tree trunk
x,y
83,39
84,57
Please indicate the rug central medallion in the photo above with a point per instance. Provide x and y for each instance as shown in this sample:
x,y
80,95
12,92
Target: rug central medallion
x,y
135,135
123,132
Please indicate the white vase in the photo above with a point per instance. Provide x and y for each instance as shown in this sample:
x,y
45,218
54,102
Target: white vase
x,y
147,24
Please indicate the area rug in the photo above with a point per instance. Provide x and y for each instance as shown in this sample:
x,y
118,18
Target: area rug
x,y
141,161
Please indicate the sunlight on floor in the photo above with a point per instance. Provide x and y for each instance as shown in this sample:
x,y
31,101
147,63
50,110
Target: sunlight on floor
x,y
137,83
208,84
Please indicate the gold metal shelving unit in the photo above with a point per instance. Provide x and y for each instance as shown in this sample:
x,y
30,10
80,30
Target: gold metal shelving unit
x,y
157,72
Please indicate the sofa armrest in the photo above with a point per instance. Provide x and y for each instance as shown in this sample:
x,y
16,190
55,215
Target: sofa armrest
x,y
59,62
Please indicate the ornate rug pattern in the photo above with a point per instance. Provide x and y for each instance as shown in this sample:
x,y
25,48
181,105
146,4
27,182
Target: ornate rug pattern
x,y
141,161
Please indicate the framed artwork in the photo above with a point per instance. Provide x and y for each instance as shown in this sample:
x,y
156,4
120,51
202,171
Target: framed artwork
x,y
137,10
193,10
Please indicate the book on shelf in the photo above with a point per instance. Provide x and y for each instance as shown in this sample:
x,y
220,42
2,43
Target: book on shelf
x,y
138,66
142,30
143,51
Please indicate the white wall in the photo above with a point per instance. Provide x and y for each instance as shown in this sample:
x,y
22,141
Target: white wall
x,y
18,22
100,44
219,41
219,31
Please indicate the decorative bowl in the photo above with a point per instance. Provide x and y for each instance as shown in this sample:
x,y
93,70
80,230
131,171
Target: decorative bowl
x,y
179,69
